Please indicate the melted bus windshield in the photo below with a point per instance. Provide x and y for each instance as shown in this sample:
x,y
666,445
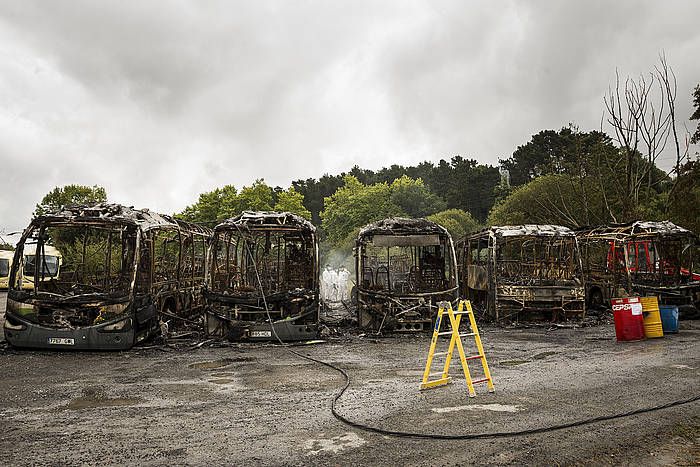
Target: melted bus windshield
x,y
94,260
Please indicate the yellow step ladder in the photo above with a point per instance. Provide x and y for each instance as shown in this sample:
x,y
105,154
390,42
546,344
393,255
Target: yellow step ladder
x,y
455,317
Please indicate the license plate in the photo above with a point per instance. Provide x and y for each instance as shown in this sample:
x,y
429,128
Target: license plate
x,y
61,341
260,333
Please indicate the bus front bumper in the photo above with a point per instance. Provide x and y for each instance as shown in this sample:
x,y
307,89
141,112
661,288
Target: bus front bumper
x,y
240,330
24,334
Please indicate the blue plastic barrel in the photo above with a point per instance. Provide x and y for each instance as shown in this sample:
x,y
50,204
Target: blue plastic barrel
x,y
669,318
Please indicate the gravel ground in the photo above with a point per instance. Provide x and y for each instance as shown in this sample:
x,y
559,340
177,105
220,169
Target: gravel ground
x,y
259,404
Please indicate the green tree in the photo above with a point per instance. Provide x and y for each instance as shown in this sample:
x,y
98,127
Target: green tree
x,y
222,203
461,183
549,199
212,207
685,199
292,201
458,222
696,115
315,191
354,205
414,198
70,195
257,197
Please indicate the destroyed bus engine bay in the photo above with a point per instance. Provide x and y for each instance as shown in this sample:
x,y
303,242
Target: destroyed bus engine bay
x,y
404,267
523,271
643,257
263,265
103,277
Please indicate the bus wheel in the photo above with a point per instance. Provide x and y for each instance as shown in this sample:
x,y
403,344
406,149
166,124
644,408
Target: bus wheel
x,y
595,299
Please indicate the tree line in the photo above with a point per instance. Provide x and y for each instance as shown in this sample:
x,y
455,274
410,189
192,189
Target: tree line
x,y
566,177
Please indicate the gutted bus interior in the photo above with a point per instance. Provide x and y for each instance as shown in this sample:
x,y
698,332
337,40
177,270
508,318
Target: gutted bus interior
x,y
404,267
97,276
523,272
643,257
263,266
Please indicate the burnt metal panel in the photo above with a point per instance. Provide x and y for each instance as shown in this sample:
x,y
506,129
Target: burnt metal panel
x,y
642,257
523,271
404,267
107,290
263,265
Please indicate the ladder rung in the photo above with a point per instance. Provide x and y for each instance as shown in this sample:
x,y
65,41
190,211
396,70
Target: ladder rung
x,y
473,357
465,312
439,354
480,380
449,333
439,373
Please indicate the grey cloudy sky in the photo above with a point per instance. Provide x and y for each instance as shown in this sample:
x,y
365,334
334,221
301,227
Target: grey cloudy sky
x,y
159,101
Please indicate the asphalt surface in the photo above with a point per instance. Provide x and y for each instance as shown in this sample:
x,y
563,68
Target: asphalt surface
x,y
260,405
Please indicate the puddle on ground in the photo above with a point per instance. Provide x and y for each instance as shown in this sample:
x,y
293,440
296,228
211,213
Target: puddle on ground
x,y
543,355
491,407
94,397
513,362
682,367
223,374
221,381
335,444
216,364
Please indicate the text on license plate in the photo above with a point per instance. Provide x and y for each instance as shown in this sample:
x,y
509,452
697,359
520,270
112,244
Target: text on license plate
x,y
61,341
260,333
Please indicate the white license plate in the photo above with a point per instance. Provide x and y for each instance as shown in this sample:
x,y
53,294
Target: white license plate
x,y
260,333
61,341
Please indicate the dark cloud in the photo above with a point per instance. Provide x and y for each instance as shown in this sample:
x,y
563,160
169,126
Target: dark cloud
x,y
159,101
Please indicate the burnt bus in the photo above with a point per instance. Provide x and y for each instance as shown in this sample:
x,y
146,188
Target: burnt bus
x,y
263,266
122,271
403,268
523,271
645,258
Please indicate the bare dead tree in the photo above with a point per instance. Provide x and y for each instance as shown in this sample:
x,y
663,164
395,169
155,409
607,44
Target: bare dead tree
x,y
667,78
624,117
642,115
655,124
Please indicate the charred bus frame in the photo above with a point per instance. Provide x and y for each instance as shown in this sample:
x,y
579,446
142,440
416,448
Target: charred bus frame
x,y
514,272
403,267
643,257
123,270
263,265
